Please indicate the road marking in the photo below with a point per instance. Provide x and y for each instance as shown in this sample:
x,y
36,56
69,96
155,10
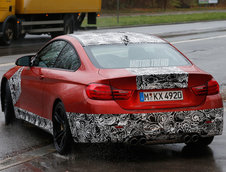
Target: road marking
x,y
25,157
201,39
7,64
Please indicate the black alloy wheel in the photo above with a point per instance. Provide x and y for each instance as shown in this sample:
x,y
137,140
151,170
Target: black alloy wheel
x,y
8,106
61,130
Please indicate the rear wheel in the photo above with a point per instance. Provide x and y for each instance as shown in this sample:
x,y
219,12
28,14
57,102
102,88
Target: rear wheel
x,y
203,141
8,106
61,130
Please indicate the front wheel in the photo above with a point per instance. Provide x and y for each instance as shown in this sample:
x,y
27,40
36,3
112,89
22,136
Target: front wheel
x,y
61,130
8,106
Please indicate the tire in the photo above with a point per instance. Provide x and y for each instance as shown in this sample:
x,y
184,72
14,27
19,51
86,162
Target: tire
x,y
203,141
8,33
8,106
61,130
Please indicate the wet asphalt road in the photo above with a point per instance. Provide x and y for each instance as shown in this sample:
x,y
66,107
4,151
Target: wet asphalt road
x,y
207,50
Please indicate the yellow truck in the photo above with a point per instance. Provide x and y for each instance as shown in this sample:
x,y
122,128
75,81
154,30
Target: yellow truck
x,y
54,17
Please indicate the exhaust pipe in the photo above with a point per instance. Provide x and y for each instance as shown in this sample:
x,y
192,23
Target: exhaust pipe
x,y
142,141
133,141
187,139
195,138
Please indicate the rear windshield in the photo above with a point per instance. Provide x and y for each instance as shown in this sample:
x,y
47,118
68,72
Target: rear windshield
x,y
135,56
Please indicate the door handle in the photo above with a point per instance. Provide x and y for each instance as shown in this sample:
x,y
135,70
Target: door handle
x,y
41,77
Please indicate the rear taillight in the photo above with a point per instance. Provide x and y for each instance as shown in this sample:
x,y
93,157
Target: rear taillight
x,y
106,92
212,87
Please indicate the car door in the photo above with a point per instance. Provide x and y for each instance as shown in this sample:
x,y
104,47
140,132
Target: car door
x,y
58,80
32,79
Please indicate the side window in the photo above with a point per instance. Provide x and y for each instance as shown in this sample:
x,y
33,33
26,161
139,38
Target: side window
x,y
47,57
68,59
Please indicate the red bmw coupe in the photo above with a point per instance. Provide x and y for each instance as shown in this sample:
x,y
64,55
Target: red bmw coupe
x,y
113,87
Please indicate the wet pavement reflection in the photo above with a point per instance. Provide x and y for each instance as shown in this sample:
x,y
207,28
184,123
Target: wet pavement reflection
x,y
23,46
20,137
100,157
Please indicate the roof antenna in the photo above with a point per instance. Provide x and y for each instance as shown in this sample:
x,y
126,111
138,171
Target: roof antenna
x,y
125,40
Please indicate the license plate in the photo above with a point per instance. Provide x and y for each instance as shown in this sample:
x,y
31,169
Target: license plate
x,y
161,96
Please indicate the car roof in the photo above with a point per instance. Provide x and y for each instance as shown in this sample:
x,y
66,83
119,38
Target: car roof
x,y
106,38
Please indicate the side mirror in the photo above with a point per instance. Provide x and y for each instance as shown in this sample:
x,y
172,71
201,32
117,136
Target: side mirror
x,y
24,61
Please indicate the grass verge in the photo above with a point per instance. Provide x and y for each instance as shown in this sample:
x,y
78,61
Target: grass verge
x,y
154,20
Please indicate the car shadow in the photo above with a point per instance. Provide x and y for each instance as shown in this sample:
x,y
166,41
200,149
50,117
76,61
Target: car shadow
x,y
124,152
121,157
